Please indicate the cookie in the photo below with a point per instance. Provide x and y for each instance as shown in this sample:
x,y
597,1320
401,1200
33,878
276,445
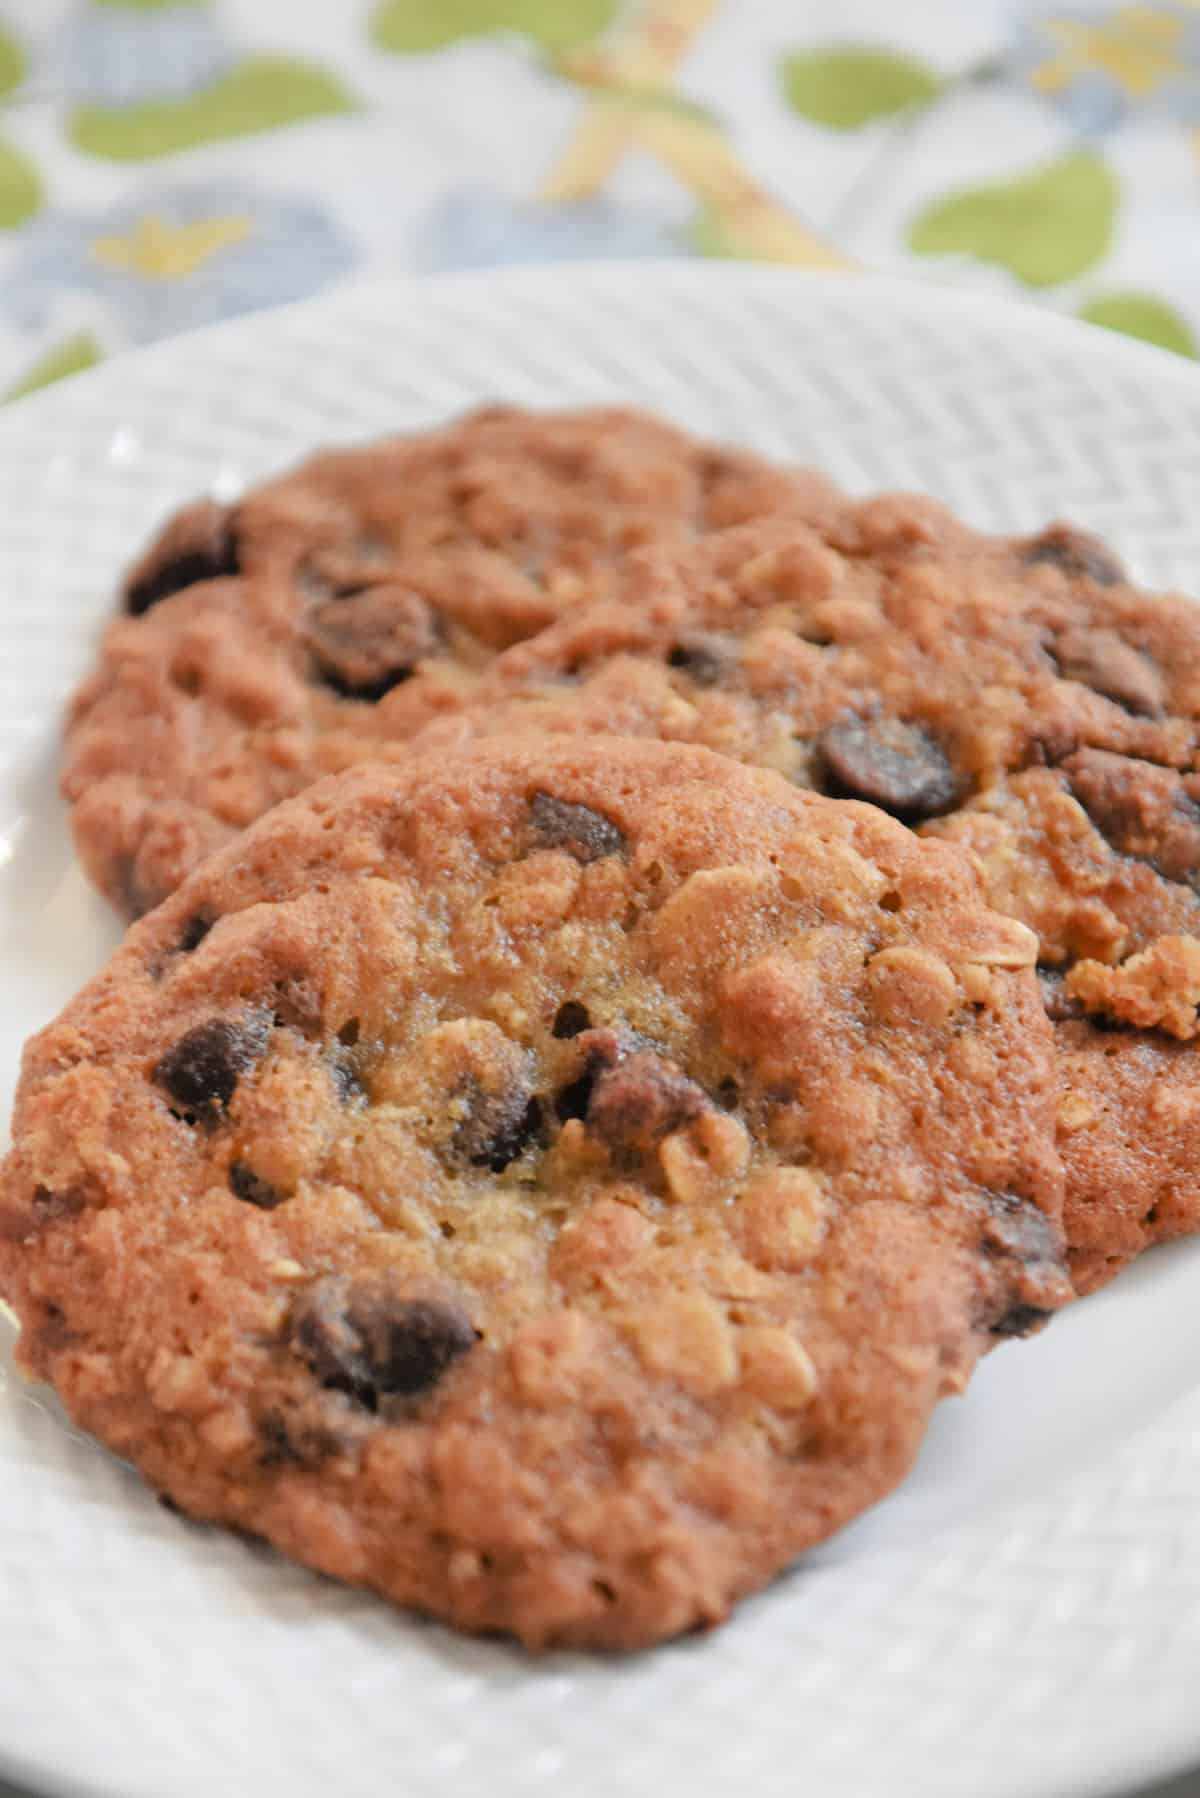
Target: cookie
x,y
1018,697
550,1184
325,617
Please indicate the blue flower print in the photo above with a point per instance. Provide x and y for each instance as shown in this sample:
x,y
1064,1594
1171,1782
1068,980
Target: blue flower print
x,y
177,257
118,56
478,227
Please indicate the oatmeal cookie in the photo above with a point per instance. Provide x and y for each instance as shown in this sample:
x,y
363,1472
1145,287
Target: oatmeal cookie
x,y
327,615
1019,697
550,1184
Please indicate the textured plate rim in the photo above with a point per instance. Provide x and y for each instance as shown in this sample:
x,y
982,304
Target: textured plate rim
x,y
874,292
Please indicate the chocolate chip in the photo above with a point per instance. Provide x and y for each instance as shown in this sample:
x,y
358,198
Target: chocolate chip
x,y
498,1127
1113,668
369,1342
570,1019
132,898
347,1079
582,832
1017,1227
52,1330
287,1442
639,1101
194,933
1029,1251
1061,1008
1077,553
704,659
48,1208
365,645
245,1184
200,544
574,1098
889,764
597,1049
202,1071
1020,1320
1141,809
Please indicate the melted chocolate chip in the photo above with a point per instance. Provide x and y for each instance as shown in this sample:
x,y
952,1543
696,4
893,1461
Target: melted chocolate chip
x,y
245,1184
1140,809
286,1442
1113,668
582,832
889,764
371,1343
571,1019
366,644
199,545
703,659
498,1127
194,933
643,1098
1020,1320
511,1140
1077,553
202,1071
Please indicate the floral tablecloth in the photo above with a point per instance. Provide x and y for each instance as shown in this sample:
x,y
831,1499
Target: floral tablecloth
x,y
166,163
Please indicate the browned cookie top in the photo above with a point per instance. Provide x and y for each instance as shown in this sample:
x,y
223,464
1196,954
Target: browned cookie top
x,y
551,1183
1019,697
329,614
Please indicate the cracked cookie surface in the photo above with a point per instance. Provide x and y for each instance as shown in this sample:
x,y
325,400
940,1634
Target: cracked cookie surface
x,y
1016,696
324,617
550,1183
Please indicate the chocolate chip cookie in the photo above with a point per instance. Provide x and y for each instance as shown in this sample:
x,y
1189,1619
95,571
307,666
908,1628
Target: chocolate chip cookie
x,y
326,616
1019,697
550,1184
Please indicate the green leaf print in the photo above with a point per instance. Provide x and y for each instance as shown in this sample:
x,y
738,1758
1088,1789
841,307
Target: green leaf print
x,y
847,86
70,357
411,27
12,63
1142,315
1044,227
20,187
263,93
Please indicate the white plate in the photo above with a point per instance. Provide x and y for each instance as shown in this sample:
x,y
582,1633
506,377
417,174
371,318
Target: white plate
x,y
1023,1620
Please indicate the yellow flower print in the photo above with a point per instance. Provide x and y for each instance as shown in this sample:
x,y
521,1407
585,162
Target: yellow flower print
x,y
162,251
1138,47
